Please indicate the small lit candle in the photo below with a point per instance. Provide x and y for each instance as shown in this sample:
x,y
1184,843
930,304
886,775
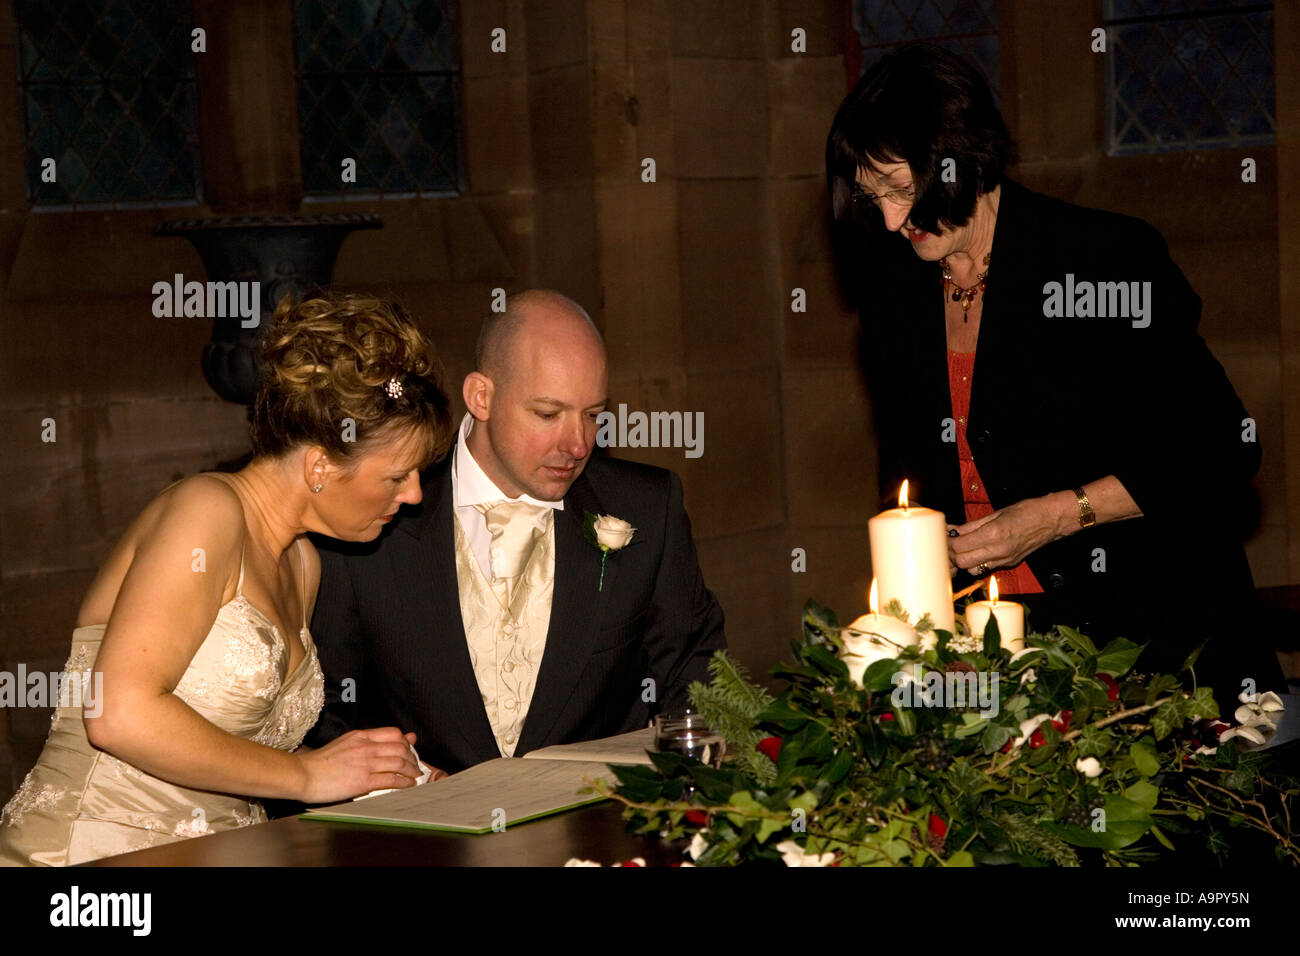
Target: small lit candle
x,y
909,556
874,637
1010,615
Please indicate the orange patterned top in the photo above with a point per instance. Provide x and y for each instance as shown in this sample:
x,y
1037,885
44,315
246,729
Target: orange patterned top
x,y
961,369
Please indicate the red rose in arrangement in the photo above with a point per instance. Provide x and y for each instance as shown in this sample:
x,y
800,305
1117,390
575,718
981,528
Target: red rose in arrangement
x,y
769,747
1112,687
1036,740
697,817
937,827
887,716
1062,720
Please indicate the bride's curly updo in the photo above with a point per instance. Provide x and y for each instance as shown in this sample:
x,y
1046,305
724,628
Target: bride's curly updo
x,y
340,367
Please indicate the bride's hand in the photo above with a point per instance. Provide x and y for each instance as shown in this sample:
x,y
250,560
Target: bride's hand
x,y
358,762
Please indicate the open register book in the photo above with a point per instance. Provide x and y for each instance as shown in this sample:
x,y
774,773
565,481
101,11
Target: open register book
x,y
502,791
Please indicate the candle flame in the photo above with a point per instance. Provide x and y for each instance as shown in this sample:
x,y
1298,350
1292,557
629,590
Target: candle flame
x,y
873,602
902,495
993,589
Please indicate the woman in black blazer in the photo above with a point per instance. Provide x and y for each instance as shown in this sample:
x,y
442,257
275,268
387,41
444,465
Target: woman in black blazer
x,y
1082,440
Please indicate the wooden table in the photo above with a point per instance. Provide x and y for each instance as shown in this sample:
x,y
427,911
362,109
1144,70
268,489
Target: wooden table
x,y
594,832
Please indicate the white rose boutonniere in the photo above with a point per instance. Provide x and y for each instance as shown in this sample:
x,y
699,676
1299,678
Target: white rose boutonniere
x,y
608,534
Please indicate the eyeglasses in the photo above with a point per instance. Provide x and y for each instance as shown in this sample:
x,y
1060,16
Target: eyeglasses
x,y
899,197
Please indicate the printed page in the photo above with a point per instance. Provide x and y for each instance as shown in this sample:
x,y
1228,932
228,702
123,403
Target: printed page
x,y
625,748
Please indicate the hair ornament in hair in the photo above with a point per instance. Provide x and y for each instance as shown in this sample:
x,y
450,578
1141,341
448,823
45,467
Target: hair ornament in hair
x,y
393,388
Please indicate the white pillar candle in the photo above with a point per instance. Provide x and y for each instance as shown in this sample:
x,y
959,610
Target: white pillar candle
x,y
1010,615
874,637
909,557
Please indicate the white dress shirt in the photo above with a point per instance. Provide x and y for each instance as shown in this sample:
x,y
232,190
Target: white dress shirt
x,y
470,486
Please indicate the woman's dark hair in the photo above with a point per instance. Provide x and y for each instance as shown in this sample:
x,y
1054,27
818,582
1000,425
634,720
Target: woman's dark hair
x,y
327,364
920,105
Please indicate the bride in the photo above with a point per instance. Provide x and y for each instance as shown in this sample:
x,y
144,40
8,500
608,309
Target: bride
x,y
196,625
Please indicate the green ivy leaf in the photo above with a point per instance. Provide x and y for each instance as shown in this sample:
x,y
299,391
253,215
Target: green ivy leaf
x,y
1118,657
1203,703
839,766
905,719
1166,717
972,724
1144,794
874,744
1144,759
994,738
1190,662
780,712
822,657
879,675
1126,822
1080,642
992,636
766,828
1159,835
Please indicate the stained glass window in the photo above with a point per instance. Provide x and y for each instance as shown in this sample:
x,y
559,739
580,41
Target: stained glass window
x,y
379,84
966,27
1188,74
108,94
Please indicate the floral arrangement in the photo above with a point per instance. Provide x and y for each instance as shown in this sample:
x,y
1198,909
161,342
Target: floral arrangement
x,y
1072,758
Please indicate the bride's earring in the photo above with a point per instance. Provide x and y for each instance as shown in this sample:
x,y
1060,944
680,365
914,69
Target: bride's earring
x,y
317,487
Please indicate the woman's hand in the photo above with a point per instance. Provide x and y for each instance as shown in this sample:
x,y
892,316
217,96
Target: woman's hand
x,y
1004,538
358,762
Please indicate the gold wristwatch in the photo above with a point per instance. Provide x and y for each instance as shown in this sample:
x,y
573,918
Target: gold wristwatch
x,y
1086,516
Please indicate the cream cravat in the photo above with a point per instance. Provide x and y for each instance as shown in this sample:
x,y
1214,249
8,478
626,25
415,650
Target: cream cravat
x,y
515,531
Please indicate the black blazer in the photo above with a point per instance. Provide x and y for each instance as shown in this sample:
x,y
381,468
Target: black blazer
x,y
1058,402
388,616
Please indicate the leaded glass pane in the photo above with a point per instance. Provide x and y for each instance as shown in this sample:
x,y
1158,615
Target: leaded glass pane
x,y
1189,74
108,93
379,83
966,27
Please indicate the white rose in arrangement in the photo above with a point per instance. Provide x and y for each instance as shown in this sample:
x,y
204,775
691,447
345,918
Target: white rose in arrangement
x,y
1258,718
795,855
1027,727
612,533
1088,766
698,846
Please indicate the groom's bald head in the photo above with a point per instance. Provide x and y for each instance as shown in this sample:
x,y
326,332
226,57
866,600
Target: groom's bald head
x,y
530,316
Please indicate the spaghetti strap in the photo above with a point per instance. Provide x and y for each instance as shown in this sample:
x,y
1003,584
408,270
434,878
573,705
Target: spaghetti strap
x,y
302,565
239,588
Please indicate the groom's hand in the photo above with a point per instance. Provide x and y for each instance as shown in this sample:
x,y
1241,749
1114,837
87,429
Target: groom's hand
x,y
358,762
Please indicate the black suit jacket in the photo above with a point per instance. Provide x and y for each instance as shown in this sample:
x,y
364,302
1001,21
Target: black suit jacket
x,y
1059,402
388,616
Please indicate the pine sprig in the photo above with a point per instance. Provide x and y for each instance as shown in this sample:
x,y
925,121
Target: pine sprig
x,y
730,704
1029,838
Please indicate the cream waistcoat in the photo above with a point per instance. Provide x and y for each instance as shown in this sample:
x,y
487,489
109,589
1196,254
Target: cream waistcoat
x,y
506,642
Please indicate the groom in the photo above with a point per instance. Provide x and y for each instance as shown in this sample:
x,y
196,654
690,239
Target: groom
x,y
481,621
